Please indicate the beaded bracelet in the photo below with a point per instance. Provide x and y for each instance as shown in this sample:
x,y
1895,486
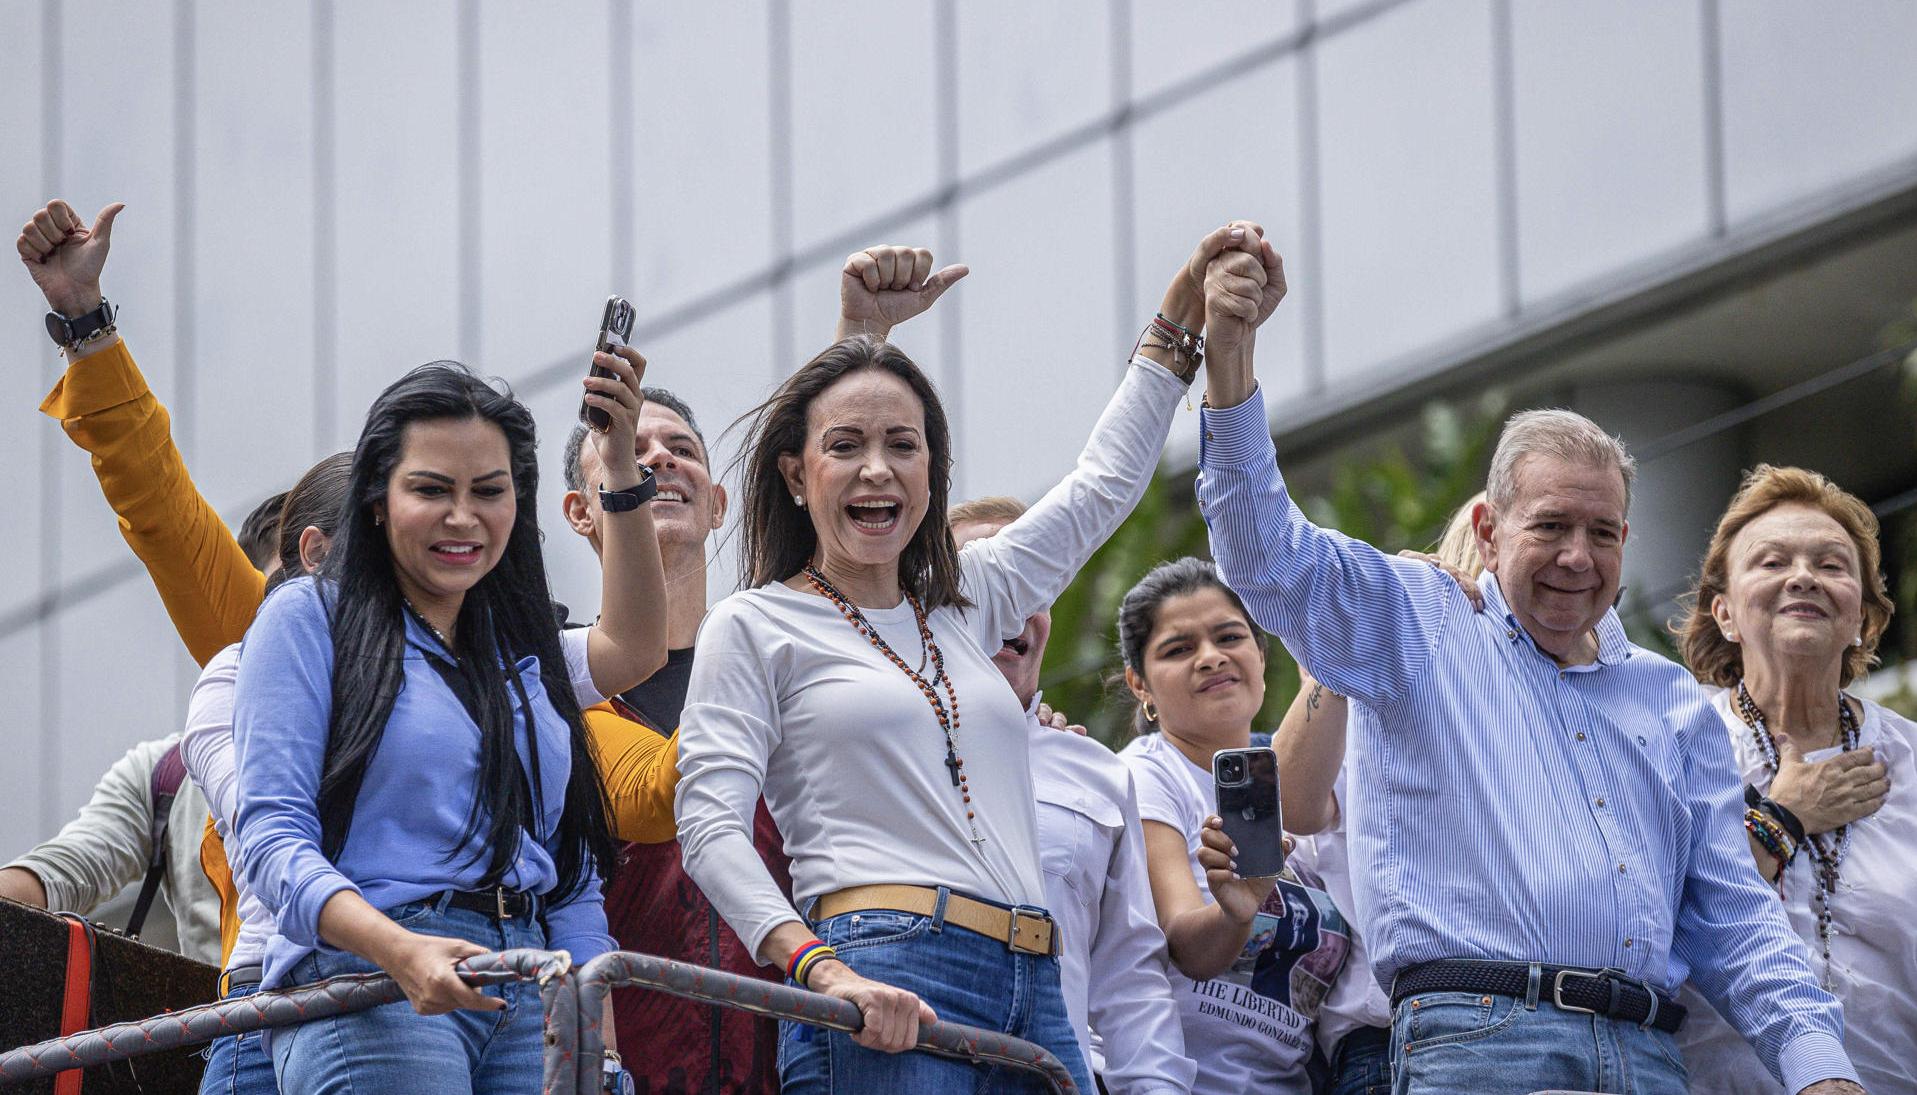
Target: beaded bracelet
x,y
1771,836
810,956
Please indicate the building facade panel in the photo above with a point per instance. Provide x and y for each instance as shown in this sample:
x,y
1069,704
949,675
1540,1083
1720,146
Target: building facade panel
x,y
1205,161
544,181
1610,138
395,211
860,106
1041,340
242,403
1410,222
33,363
1028,73
700,152
1813,97
1172,43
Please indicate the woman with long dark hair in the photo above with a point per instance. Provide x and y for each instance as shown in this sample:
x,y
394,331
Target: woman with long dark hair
x,y
853,685
415,781
1253,959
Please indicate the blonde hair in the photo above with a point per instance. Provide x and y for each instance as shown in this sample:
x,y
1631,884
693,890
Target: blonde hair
x,y
1458,546
1714,659
993,509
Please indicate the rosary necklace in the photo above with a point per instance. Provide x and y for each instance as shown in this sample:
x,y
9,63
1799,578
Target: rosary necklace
x,y
948,716
1826,850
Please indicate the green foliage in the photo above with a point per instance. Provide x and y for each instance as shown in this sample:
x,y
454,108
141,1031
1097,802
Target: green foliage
x,y
1393,496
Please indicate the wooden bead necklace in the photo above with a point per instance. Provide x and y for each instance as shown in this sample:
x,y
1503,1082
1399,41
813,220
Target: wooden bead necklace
x,y
1826,850
948,717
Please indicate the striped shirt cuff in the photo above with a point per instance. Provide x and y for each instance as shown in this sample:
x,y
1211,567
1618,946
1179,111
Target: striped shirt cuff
x,y
1814,1056
1234,436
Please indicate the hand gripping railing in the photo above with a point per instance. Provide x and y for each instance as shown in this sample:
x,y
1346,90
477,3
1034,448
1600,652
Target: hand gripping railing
x,y
288,1007
597,978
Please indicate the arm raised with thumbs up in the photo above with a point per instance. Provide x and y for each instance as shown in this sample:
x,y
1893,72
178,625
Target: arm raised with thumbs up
x,y
65,256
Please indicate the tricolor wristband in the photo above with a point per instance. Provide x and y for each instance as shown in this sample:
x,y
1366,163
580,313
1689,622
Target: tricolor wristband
x,y
802,958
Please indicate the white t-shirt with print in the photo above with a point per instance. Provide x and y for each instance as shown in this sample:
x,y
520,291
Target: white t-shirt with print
x,y
1250,1029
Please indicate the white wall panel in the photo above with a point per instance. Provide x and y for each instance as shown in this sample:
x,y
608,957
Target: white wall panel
x,y
700,140
1171,42
396,179
127,629
545,254
36,364
1179,200
1607,179
1409,215
250,431
1041,345
1814,95
117,120
862,102
25,737
1028,72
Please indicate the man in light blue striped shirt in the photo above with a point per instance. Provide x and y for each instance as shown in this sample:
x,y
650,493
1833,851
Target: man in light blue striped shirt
x,y
1532,795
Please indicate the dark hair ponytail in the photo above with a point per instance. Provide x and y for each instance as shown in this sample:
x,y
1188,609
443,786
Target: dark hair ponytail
x,y
506,616
1138,613
316,501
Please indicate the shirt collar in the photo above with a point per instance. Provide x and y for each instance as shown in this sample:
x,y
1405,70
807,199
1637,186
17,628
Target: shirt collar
x,y
1614,646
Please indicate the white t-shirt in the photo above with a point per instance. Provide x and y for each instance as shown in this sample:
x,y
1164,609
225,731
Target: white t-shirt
x,y
1356,1000
206,745
1112,961
1873,946
786,698
1251,1028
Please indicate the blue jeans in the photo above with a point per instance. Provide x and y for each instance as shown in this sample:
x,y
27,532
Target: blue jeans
x,y
394,1048
1445,1042
1363,1063
236,1064
966,978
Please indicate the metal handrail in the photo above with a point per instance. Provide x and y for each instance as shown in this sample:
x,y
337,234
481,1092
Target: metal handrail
x,y
319,1000
597,978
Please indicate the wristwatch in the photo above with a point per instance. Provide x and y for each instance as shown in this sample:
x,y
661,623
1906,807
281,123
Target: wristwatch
x,y
613,1077
71,332
621,501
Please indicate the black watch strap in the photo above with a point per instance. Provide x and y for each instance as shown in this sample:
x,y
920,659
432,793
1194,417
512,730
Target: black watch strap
x,y
72,331
621,501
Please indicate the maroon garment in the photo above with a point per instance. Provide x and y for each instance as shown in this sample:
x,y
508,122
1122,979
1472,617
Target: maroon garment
x,y
677,1046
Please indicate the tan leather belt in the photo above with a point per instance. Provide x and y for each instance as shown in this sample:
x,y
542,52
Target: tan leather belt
x,y
1024,931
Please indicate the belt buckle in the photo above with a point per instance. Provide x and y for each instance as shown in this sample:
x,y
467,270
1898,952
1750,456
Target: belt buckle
x,y
1557,986
499,902
1025,913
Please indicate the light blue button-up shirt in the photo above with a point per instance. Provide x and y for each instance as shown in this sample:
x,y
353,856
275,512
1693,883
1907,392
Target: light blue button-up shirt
x,y
1502,807
408,838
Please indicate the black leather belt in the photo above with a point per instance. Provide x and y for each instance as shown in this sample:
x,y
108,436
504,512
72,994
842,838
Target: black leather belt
x,y
242,977
500,903
1596,992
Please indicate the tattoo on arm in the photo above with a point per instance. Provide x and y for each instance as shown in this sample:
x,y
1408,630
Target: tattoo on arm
x,y
1312,701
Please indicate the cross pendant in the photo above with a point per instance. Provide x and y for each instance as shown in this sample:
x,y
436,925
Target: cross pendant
x,y
978,841
952,763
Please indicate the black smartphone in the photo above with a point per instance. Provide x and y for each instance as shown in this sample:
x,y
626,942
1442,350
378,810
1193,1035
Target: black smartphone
x,y
615,329
1247,782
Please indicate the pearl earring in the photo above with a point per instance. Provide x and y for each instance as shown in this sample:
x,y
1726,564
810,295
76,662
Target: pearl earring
x,y
1858,641
798,501
1728,637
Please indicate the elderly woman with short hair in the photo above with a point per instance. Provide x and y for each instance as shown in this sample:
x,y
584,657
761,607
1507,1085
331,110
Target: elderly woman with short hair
x,y
1788,612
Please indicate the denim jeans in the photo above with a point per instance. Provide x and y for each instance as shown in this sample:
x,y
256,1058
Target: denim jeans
x,y
966,978
394,1048
237,1064
1363,1063
1445,1042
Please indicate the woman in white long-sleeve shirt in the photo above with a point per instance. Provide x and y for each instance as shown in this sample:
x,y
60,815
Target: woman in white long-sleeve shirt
x,y
852,684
